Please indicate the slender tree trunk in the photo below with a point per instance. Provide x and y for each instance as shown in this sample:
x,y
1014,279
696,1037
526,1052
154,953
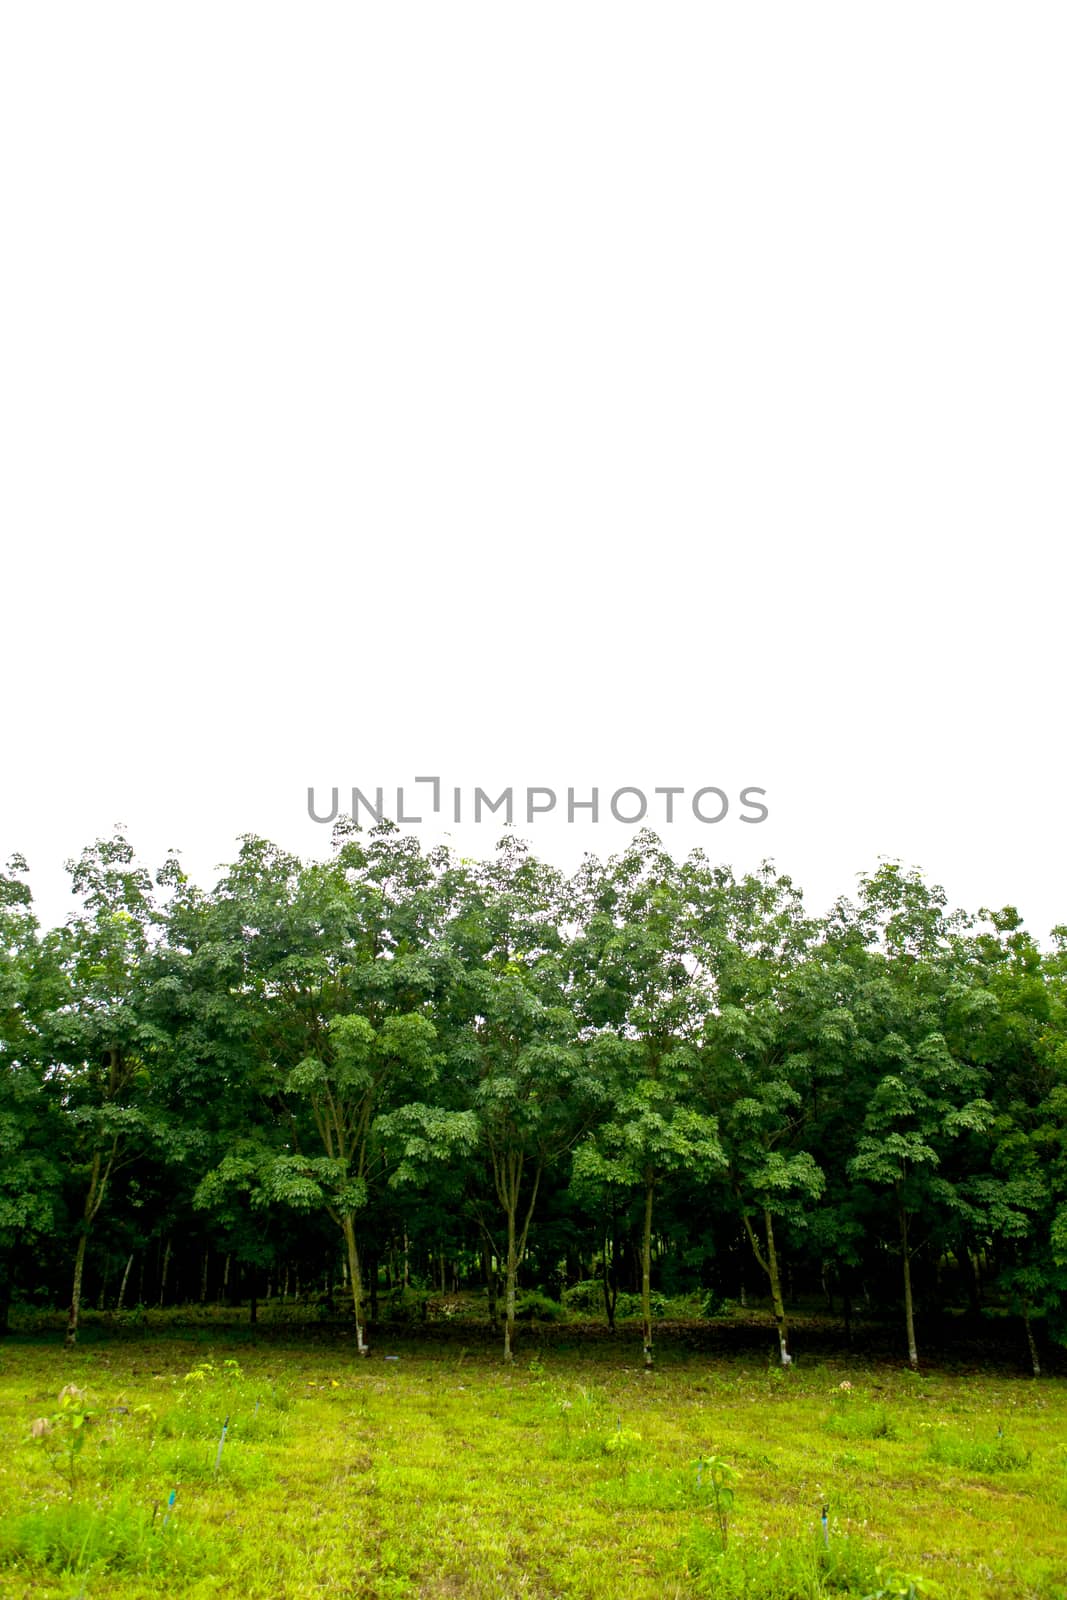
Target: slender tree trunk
x,y
125,1280
507,1178
614,1279
510,1281
98,1176
490,1285
974,1288
610,1282
1030,1340
203,1278
769,1264
909,1308
163,1272
646,1274
5,1300
76,1293
777,1302
355,1280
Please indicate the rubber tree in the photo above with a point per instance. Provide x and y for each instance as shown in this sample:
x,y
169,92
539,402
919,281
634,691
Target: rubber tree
x,y
1015,1193
100,1036
923,1096
646,1010
516,1041
749,939
31,1128
340,971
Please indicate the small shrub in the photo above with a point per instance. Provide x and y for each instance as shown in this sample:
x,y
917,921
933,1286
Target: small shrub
x,y
531,1306
408,1305
62,1435
629,1305
586,1298
623,1445
714,1304
717,1478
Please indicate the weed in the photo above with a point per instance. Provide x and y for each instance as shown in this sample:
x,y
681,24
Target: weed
x,y
998,1454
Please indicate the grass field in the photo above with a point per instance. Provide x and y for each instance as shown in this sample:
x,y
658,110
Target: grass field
x,y
431,1470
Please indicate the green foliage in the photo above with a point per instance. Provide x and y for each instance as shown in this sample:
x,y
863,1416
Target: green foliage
x,y
125,1538
585,1298
794,1569
970,1454
716,1478
853,1417
655,1066
62,1435
533,1306
714,1305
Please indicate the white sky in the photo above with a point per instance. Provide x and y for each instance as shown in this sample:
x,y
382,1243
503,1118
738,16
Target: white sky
x,y
561,394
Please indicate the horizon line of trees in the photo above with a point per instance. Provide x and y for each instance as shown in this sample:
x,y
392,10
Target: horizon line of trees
x,y
650,1071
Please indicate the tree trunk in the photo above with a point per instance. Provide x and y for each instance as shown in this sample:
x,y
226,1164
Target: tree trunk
x,y
490,1285
769,1264
203,1278
507,1179
909,1308
1030,1340
76,1294
777,1302
5,1300
355,1280
974,1287
98,1176
610,1280
163,1272
372,1275
646,1275
125,1279
510,1282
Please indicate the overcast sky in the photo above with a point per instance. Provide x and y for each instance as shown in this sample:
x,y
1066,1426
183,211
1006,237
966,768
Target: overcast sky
x,y
561,395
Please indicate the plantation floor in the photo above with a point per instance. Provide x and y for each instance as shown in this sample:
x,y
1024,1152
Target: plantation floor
x,y
441,1474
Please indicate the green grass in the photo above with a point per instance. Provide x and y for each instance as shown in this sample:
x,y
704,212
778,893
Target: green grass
x,y
444,1474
